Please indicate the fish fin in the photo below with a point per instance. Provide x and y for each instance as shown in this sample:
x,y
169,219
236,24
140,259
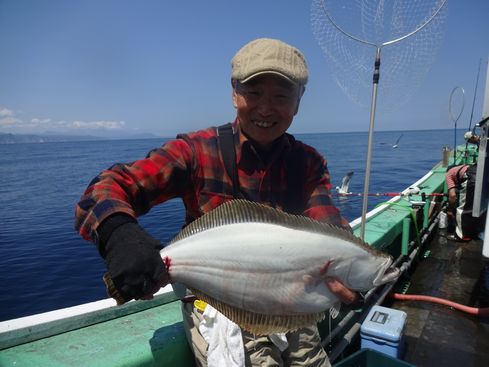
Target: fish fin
x,y
244,211
261,324
334,310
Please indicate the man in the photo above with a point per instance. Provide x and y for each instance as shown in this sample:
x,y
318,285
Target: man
x,y
472,138
453,179
460,182
262,163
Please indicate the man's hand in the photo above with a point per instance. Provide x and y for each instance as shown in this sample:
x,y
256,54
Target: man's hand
x,y
134,262
347,296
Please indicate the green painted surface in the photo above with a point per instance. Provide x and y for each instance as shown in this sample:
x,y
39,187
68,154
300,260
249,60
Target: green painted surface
x,y
383,229
153,337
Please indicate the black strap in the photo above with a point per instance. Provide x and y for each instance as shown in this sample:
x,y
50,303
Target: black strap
x,y
225,134
295,176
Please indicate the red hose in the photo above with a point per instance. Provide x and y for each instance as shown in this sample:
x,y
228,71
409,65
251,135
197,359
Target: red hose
x,y
417,297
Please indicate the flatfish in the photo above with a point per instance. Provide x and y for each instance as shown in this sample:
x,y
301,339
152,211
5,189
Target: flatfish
x,y
265,269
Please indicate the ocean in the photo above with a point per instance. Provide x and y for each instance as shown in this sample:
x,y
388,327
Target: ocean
x,y
46,265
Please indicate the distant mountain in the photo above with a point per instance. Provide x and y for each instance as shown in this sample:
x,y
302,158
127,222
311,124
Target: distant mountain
x,y
30,138
8,138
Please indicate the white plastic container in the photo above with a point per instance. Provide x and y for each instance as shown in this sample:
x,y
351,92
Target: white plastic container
x,y
383,331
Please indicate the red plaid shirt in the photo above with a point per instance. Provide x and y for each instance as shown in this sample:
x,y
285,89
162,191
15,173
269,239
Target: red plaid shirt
x,y
191,167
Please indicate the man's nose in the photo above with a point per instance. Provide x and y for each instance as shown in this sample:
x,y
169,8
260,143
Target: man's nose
x,y
265,104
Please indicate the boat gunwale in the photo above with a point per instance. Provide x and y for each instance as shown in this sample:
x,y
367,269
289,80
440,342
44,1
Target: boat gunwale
x,y
30,328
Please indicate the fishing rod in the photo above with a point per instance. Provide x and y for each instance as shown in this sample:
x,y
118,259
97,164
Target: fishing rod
x,y
343,191
475,94
472,110
393,194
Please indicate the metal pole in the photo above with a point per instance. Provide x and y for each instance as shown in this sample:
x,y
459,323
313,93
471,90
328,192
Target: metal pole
x,y
370,140
455,144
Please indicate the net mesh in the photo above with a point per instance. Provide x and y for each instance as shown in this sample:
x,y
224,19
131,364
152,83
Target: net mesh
x,y
404,64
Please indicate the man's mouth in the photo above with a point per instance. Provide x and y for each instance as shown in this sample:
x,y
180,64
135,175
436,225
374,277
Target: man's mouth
x,y
263,124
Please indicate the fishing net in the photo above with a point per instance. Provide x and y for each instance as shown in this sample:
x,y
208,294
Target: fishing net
x,y
348,31
455,109
378,23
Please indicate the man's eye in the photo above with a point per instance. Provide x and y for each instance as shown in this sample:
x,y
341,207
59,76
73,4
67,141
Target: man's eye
x,y
283,97
252,93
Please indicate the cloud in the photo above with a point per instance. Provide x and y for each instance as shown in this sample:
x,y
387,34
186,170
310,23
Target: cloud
x,y
5,112
9,120
111,125
36,121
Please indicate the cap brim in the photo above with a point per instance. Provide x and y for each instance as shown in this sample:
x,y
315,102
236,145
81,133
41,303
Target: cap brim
x,y
247,79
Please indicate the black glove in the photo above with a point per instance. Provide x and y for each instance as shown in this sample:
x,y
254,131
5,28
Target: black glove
x,y
132,257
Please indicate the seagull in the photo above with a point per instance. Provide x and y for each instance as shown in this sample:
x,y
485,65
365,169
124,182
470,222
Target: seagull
x,y
345,182
396,144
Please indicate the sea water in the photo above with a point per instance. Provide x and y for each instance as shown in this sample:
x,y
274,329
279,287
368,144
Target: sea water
x,y
46,265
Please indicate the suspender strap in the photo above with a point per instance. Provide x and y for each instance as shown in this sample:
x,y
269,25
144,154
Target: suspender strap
x,y
225,135
295,175
295,178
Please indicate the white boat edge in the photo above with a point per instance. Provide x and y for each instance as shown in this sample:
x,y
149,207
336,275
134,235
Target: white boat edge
x,y
373,212
24,329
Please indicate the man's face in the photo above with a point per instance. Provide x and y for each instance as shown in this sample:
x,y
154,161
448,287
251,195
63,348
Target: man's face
x,y
266,106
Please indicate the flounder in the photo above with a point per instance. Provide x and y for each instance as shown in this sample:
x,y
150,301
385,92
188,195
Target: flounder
x,y
265,269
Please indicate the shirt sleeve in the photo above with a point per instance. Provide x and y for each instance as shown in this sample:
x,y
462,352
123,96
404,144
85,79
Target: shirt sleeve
x,y
134,188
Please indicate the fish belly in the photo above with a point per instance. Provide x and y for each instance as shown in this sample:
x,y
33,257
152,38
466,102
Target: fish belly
x,y
261,267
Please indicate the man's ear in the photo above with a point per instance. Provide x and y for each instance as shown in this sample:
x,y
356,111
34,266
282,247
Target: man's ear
x,y
297,106
301,93
235,98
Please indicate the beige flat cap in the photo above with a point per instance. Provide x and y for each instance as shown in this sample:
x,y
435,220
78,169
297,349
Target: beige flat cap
x,y
266,55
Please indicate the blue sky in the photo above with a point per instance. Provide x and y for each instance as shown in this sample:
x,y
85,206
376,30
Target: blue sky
x,y
161,67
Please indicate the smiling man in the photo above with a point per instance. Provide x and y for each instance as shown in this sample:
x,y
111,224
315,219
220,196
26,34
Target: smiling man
x,y
251,158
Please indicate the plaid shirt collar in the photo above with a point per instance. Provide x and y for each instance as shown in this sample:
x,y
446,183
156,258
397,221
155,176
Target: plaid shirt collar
x,y
245,147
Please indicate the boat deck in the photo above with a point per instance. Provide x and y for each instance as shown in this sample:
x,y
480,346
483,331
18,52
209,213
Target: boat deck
x,y
437,335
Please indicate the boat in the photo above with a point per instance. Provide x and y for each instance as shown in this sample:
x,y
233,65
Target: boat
x,y
147,333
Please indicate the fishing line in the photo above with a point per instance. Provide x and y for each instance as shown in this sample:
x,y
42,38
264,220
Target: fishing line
x,y
375,23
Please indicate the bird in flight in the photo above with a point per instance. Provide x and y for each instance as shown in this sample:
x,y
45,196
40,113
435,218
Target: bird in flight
x,y
345,183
